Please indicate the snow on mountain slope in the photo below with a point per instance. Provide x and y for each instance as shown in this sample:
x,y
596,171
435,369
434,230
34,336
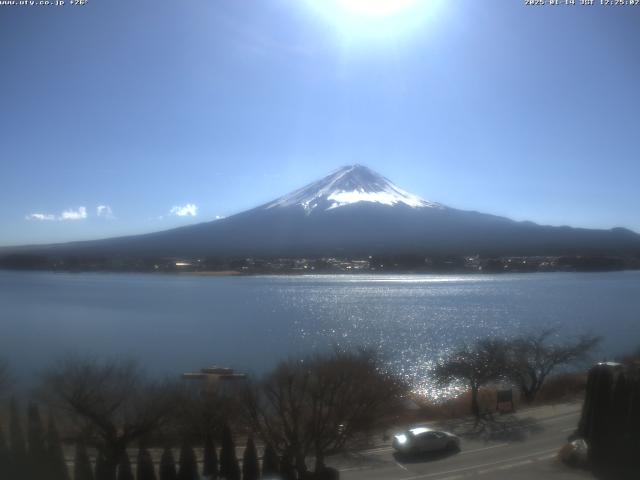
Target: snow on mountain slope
x,y
349,185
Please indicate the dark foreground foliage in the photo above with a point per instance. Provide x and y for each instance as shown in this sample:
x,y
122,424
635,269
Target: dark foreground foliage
x,y
610,421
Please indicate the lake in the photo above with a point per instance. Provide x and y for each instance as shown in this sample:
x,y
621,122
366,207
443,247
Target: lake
x,y
179,323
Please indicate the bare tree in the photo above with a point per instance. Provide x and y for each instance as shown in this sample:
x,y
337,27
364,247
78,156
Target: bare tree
x,y
532,358
317,405
203,409
111,403
475,366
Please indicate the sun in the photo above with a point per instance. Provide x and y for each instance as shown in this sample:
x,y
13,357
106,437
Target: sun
x,y
374,18
374,8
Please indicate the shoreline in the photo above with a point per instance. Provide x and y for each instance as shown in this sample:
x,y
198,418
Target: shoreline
x,y
236,273
205,273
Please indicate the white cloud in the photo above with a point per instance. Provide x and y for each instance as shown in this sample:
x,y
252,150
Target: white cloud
x,y
188,210
219,217
79,214
104,211
40,216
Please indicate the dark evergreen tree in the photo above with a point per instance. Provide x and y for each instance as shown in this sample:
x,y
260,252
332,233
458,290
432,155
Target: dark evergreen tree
x,y
270,462
37,452
229,468
102,472
287,472
18,450
4,455
188,463
145,470
167,466
55,455
124,468
250,466
210,467
82,463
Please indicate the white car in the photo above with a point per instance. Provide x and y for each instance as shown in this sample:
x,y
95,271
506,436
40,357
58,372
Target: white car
x,y
423,440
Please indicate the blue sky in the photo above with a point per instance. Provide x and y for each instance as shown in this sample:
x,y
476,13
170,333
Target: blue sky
x,y
159,110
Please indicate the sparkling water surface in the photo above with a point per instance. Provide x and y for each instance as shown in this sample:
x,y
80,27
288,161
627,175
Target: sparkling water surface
x,y
179,323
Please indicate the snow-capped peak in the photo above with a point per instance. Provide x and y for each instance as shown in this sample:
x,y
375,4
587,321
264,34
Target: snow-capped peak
x,y
349,185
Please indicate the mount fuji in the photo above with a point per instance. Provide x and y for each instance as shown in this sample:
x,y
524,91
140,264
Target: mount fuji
x,y
348,186
355,211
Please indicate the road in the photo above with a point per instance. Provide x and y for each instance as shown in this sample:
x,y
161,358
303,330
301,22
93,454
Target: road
x,y
521,446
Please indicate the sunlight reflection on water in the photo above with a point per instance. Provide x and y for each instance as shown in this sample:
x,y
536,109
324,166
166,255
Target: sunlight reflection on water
x,y
177,323
417,320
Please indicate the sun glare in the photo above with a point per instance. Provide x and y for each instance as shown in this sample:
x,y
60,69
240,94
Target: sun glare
x,y
375,8
374,17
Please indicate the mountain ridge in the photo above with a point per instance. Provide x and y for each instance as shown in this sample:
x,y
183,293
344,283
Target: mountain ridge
x,y
353,211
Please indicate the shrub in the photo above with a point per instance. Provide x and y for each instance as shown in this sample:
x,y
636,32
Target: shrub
x,y
562,387
574,454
